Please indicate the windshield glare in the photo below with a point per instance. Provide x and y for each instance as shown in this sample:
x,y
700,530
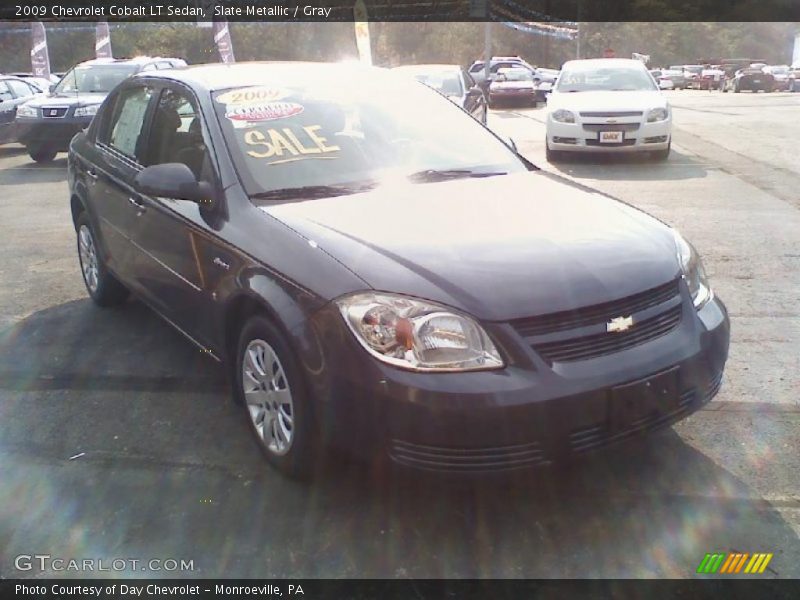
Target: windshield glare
x,y
94,78
445,82
322,131
585,79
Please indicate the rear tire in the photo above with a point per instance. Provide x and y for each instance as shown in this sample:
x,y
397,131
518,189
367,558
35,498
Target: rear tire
x,y
104,289
270,388
42,153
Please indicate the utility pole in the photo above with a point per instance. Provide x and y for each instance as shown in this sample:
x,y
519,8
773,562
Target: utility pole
x,y
578,37
487,48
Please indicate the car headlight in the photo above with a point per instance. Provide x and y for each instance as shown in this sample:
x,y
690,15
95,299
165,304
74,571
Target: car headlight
x,y
693,272
657,114
87,111
25,111
563,116
417,334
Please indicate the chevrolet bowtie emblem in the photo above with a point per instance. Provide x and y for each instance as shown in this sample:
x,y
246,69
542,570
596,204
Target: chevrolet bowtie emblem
x,y
619,324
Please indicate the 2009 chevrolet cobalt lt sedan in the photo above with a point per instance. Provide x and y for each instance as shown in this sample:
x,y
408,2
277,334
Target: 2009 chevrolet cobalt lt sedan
x,y
381,272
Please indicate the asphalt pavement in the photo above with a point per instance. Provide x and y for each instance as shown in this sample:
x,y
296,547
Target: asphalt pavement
x,y
118,439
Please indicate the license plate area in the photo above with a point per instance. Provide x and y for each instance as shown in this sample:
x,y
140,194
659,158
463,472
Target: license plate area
x,y
643,400
611,137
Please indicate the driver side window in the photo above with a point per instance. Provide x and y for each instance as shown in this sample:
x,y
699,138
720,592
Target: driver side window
x,y
177,135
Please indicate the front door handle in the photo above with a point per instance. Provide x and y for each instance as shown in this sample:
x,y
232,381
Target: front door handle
x,y
92,175
140,206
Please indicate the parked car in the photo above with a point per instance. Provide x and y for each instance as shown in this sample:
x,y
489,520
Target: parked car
x,y
454,82
780,75
46,124
14,91
751,79
477,71
381,272
794,80
607,105
711,79
692,74
513,85
663,82
42,84
677,78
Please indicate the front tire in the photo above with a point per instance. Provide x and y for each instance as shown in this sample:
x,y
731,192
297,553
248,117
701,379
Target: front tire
x,y
42,153
661,155
104,289
552,155
271,390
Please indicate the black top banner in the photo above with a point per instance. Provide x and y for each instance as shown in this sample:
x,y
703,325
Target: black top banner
x,y
402,10
398,589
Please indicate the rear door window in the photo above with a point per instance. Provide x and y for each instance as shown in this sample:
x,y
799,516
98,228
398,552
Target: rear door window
x,y
125,129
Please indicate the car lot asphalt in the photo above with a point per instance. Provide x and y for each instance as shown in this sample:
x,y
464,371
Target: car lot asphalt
x,y
118,439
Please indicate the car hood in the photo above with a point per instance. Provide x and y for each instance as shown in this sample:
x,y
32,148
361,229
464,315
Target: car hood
x,y
67,99
607,101
499,248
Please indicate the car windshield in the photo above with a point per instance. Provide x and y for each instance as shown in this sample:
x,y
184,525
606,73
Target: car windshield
x,y
94,78
312,133
779,70
447,82
586,78
515,75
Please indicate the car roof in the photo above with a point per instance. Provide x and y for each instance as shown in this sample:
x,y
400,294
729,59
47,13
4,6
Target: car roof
x,y
605,62
427,67
136,60
221,76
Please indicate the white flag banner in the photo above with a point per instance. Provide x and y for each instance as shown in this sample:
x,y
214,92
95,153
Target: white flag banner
x,y
102,45
362,32
796,56
40,60
222,38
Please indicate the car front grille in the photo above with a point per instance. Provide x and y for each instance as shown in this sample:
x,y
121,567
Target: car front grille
x,y
592,346
598,435
467,459
610,127
598,313
54,112
594,142
611,115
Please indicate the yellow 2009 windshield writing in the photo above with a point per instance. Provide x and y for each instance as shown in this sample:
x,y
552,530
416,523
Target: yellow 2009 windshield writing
x,y
277,142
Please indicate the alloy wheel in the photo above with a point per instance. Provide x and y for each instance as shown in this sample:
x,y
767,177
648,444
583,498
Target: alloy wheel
x,y
268,396
88,257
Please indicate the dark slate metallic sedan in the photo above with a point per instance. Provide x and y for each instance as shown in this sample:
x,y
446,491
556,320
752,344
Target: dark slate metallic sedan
x,y
381,273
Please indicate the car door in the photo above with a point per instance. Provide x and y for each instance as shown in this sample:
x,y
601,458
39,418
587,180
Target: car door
x,y
114,202
173,236
474,102
8,110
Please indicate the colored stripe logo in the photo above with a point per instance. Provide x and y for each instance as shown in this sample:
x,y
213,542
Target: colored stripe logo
x,y
734,562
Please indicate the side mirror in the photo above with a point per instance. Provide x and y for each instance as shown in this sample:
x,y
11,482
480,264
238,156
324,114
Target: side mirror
x,y
512,144
52,87
173,180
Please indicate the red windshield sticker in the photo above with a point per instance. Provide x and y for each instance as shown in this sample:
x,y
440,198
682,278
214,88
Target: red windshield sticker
x,y
257,113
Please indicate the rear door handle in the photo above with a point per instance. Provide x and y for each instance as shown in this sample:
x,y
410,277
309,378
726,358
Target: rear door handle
x,y
140,206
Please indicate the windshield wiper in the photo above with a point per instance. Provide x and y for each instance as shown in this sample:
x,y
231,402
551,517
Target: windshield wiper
x,y
311,192
445,174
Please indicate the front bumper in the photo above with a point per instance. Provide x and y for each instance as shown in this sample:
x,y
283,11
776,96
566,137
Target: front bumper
x,y
52,132
584,134
527,414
